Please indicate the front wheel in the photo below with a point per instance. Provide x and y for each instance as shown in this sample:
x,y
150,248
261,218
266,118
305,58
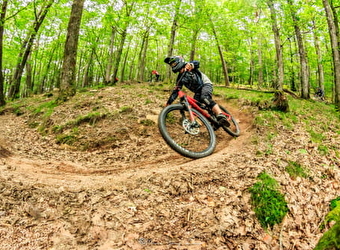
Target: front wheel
x,y
234,128
193,139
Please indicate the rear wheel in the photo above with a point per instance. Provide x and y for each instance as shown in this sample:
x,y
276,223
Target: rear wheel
x,y
234,128
191,139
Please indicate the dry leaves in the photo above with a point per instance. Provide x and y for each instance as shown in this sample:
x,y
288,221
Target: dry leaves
x,y
137,193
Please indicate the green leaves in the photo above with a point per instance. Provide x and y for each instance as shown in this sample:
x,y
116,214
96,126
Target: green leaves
x,y
331,240
269,204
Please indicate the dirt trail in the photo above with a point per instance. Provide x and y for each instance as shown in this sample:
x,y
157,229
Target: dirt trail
x,y
137,193
79,174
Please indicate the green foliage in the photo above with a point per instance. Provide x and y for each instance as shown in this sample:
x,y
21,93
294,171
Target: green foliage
x,y
303,151
126,109
91,118
295,169
334,203
316,137
17,110
46,108
269,204
331,240
69,138
148,101
315,118
323,150
234,24
269,149
147,190
147,122
16,107
66,139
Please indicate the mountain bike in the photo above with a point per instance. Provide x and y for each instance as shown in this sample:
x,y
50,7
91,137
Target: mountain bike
x,y
319,94
189,126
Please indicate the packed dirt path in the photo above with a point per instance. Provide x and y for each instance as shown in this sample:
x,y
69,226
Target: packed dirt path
x,y
137,193
58,165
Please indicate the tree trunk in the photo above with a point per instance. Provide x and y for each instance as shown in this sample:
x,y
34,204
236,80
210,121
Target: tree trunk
x,y
125,26
132,68
26,51
172,36
142,55
220,51
67,85
278,47
88,74
2,21
47,80
193,44
260,62
251,64
29,84
108,72
333,33
321,75
125,62
119,55
304,72
293,86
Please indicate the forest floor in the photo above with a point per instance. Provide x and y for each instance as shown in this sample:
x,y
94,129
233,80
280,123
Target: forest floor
x,y
119,186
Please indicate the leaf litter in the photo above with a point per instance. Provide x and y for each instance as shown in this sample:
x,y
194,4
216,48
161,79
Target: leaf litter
x,y
134,192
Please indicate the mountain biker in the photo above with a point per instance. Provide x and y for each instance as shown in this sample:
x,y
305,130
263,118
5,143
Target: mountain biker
x,y
192,78
155,72
320,93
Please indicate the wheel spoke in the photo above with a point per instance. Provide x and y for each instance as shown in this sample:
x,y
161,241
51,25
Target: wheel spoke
x,y
193,139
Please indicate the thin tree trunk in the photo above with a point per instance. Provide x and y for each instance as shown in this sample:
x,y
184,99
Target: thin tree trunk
x,y
88,74
119,53
260,62
251,64
2,22
193,44
278,47
320,74
29,83
26,51
109,66
173,36
142,55
333,33
46,75
304,72
124,63
67,85
223,61
132,69
293,86
142,68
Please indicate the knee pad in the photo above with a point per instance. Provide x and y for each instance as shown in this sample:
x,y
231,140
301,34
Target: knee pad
x,y
208,101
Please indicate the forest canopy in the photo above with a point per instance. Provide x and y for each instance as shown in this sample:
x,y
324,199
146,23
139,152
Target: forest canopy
x,y
262,43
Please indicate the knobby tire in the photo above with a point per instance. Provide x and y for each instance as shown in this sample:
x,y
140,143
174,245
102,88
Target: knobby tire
x,y
197,143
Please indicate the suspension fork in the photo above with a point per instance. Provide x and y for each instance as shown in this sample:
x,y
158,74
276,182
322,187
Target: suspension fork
x,y
188,106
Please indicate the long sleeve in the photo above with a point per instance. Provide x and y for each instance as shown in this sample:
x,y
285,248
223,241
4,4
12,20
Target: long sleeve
x,y
177,88
172,97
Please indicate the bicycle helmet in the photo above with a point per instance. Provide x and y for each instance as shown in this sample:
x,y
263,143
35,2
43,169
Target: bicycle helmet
x,y
176,63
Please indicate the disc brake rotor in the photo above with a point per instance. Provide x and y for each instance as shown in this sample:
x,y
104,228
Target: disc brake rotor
x,y
192,128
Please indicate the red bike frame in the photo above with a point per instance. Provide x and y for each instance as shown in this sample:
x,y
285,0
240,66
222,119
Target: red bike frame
x,y
193,103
